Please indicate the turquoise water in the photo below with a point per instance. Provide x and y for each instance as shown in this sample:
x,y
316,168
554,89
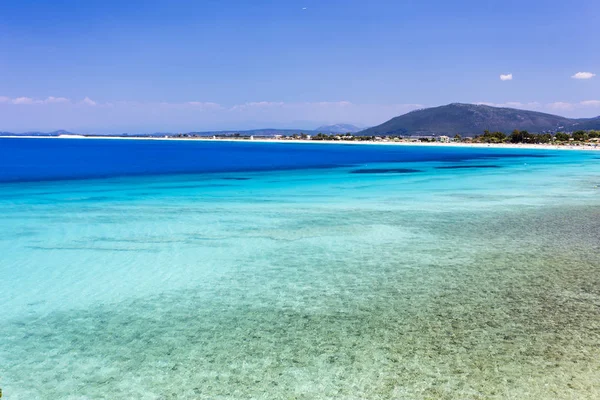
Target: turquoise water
x,y
374,280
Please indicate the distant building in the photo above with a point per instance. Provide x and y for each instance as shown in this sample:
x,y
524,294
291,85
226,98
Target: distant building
x,y
444,139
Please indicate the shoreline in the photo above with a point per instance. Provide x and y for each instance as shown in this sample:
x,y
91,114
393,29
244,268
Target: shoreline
x,y
296,141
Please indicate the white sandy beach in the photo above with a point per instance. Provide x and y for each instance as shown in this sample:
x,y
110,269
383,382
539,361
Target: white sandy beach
x,y
587,147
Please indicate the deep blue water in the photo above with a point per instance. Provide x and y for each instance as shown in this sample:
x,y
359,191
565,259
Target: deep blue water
x,y
55,159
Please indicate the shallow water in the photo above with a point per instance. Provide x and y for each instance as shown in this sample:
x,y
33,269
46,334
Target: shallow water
x,y
277,283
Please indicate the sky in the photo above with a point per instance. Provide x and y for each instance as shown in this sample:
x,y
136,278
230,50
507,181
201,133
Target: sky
x,y
135,66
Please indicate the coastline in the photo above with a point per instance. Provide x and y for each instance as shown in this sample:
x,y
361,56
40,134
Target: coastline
x,y
296,141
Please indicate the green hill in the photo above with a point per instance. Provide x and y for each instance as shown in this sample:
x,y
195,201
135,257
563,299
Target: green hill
x,y
472,119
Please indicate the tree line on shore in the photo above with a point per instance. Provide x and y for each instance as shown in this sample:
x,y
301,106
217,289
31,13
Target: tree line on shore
x,y
518,136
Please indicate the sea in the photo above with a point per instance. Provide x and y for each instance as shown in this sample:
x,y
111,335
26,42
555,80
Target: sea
x,y
163,269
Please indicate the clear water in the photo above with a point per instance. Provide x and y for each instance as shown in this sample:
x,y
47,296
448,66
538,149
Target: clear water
x,y
278,272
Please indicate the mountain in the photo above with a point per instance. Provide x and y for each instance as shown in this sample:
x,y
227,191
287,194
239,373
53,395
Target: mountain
x,y
465,119
253,132
55,133
338,128
473,119
256,132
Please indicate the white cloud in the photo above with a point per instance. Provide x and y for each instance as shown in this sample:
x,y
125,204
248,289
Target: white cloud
x,y
265,104
53,99
333,103
88,101
583,75
24,100
507,77
518,104
513,104
29,101
257,105
590,103
205,105
560,105
575,109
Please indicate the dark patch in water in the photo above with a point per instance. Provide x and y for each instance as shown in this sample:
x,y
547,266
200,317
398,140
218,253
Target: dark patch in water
x,y
468,166
143,194
96,198
385,171
192,186
516,156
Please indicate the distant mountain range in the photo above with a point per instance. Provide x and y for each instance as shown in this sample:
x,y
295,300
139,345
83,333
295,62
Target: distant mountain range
x,y
328,129
451,119
338,128
54,133
253,132
473,119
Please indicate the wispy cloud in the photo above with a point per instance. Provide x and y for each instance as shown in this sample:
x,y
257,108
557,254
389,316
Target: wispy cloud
x,y
517,104
333,103
257,105
583,75
52,99
205,105
507,77
89,102
513,104
577,108
561,105
23,100
590,103
88,116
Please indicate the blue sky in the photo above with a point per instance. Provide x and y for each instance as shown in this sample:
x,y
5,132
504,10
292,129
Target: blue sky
x,y
139,66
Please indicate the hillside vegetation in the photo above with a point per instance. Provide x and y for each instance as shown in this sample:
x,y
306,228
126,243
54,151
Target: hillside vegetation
x,y
472,119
